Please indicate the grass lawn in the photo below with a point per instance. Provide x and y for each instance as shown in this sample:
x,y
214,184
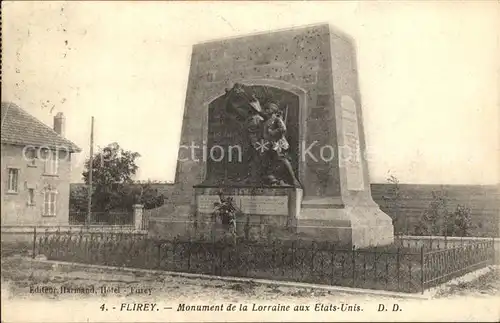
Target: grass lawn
x,y
487,284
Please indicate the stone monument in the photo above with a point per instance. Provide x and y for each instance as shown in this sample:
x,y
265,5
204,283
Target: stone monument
x,y
311,178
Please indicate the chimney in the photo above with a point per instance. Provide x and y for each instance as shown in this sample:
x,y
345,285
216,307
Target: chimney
x,y
60,123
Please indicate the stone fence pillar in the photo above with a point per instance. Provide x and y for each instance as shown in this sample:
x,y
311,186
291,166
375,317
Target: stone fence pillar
x,y
138,216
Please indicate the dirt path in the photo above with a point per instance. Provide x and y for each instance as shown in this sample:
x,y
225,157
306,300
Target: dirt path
x,y
20,274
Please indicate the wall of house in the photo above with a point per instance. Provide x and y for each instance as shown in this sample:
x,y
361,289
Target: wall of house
x,y
15,209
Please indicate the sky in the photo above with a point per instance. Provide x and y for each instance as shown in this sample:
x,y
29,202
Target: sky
x,y
429,76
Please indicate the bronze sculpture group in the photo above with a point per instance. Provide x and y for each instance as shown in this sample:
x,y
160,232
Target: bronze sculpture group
x,y
265,127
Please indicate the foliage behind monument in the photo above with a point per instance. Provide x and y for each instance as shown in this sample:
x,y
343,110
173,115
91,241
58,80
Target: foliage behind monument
x,y
437,220
113,186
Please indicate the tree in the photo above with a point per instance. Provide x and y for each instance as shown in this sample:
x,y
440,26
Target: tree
x,y
459,222
142,193
437,220
113,169
78,199
432,220
395,201
112,165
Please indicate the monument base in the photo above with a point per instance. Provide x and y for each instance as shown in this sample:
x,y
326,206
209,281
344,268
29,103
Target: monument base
x,y
277,213
360,226
264,213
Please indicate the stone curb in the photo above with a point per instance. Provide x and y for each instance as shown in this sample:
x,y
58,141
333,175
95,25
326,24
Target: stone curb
x,y
349,290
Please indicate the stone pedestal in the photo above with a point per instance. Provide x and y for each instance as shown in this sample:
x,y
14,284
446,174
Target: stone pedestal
x,y
358,225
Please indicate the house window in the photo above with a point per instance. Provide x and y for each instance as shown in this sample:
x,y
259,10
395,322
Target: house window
x,y
30,155
49,202
13,180
51,162
31,196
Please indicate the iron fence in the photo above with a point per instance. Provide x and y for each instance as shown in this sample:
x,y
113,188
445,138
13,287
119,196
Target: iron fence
x,y
145,221
102,218
431,242
393,268
442,265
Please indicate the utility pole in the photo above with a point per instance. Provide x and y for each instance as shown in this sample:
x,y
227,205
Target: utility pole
x,y
91,164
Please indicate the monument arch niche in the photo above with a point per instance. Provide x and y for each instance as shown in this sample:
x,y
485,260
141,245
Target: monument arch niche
x,y
228,149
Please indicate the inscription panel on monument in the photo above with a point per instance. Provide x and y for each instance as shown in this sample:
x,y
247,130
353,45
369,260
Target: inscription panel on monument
x,y
351,157
262,205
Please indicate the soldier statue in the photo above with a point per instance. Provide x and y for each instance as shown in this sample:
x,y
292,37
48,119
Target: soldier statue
x,y
266,132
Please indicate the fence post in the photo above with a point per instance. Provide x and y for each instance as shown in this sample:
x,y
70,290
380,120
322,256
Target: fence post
x,y
159,255
353,266
312,256
422,268
138,216
189,246
214,264
246,229
333,264
273,257
398,255
34,243
494,253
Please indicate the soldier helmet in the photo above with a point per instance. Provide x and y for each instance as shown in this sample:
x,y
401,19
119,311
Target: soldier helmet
x,y
272,107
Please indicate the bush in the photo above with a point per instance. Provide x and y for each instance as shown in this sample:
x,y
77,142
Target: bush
x,y
438,220
395,200
459,222
433,218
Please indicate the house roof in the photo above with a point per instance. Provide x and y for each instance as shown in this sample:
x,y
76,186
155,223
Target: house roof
x,y
21,128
